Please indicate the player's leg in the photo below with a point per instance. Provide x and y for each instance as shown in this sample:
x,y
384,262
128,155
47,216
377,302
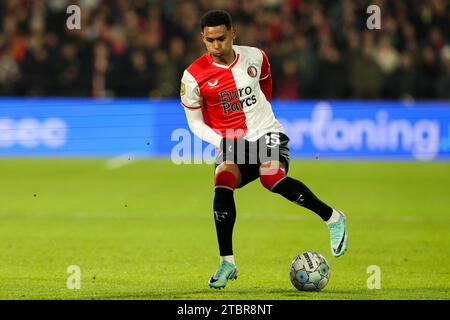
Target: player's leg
x,y
273,177
227,177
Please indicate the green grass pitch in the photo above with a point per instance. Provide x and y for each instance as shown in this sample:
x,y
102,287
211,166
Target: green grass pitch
x,y
146,231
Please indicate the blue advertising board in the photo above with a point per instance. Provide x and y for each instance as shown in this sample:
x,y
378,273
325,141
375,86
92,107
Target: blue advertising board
x,y
355,130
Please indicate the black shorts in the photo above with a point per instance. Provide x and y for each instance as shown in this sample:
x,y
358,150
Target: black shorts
x,y
250,155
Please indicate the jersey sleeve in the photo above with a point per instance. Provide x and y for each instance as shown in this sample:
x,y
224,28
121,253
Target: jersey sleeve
x,y
190,92
265,79
265,67
200,129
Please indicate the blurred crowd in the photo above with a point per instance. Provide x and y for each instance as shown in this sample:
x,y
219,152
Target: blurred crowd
x,y
139,48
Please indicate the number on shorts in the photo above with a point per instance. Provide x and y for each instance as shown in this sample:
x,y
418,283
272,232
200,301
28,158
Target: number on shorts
x,y
272,140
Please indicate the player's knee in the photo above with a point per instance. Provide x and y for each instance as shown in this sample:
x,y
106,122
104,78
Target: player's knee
x,y
225,179
270,178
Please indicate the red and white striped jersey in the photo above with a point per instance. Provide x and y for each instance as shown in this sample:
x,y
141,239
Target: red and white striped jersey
x,y
230,97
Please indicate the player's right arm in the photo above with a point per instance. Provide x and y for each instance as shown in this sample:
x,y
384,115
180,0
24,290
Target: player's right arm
x,y
265,80
192,103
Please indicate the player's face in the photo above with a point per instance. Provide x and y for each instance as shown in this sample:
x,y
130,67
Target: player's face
x,y
219,41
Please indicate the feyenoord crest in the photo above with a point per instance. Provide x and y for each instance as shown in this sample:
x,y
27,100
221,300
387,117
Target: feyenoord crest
x,y
252,71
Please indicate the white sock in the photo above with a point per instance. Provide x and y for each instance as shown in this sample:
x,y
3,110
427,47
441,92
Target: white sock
x,y
228,259
334,217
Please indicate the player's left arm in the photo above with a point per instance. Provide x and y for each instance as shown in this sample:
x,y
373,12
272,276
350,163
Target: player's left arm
x,y
265,79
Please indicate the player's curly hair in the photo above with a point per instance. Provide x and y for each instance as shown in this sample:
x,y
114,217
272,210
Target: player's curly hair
x,y
214,18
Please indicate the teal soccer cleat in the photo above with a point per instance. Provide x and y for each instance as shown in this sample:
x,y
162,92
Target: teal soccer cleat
x,y
339,237
227,271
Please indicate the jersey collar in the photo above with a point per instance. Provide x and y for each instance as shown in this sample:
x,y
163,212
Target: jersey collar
x,y
222,65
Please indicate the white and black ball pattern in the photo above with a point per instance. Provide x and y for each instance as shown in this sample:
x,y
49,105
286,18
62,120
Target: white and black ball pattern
x,y
309,271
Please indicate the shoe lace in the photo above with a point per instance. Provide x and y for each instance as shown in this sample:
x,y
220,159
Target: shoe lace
x,y
335,235
221,271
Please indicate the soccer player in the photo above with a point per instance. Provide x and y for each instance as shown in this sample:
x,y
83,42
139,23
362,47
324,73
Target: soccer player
x,y
226,96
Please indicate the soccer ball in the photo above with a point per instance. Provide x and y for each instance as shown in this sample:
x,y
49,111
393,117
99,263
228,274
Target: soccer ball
x,y
309,271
